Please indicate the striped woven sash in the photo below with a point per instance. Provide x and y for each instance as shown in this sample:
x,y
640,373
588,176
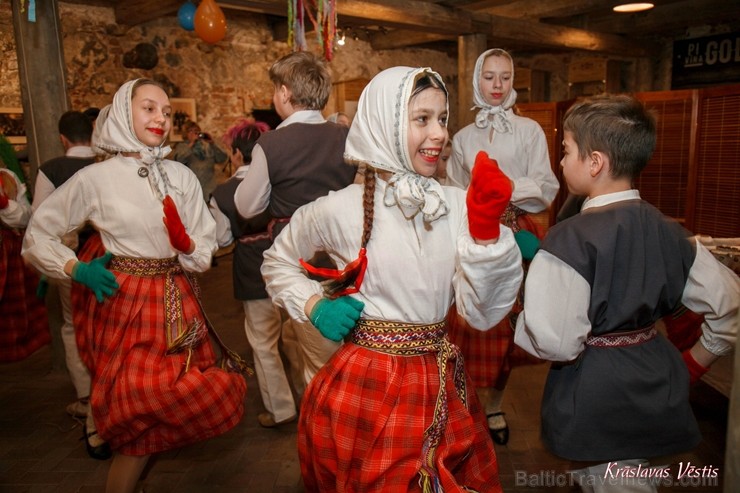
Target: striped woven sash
x,y
403,339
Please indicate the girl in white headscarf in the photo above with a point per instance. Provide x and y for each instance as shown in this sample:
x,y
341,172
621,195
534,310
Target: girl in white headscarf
x,y
390,411
155,385
519,146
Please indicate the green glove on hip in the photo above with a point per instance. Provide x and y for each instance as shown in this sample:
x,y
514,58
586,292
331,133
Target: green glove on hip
x,y
95,276
335,318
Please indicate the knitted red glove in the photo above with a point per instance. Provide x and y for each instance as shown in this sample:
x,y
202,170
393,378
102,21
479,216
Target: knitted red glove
x,y
179,238
696,370
488,196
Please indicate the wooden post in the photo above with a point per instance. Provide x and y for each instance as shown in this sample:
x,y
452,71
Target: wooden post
x,y
469,48
42,72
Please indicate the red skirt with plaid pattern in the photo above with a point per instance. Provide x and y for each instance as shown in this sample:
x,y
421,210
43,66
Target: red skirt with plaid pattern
x,y
143,400
362,425
23,316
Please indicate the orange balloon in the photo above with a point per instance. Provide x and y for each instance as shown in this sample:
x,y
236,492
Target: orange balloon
x,y
210,22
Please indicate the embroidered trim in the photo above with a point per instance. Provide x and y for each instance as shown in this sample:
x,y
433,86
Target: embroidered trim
x,y
623,339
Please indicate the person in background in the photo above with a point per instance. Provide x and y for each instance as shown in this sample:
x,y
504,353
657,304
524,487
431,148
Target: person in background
x,y
298,162
617,393
75,133
264,325
201,154
156,381
519,146
340,118
395,396
23,317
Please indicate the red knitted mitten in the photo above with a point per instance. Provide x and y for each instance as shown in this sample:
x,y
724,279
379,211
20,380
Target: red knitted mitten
x,y
179,238
488,196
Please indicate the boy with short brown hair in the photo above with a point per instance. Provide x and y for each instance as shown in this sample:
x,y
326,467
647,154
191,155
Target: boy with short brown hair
x,y
618,391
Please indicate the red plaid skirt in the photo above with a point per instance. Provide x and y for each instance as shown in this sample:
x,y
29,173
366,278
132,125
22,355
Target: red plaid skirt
x,y
142,399
23,317
362,425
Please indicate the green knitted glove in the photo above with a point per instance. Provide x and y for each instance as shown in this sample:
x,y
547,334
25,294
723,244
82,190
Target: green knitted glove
x,y
335,318
95,276
527,242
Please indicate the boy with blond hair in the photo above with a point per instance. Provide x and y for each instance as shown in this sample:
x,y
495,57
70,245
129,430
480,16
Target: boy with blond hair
x,y
298,162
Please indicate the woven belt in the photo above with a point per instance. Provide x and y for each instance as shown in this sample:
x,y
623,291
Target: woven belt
x,y
623,339
412,340
264,235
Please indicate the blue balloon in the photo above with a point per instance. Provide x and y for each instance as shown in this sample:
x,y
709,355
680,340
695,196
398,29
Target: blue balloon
x,y
186,16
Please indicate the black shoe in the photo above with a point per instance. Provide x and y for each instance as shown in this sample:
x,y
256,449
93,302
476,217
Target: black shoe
x,y
498,435
99,452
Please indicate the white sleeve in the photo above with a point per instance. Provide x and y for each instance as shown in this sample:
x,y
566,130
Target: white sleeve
x,y
200,226
62,212
18,211
554,324
487,278
713,290
252,196
286,281
224,236
44,187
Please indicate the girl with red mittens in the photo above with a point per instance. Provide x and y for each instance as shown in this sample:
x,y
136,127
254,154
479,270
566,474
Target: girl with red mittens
x,y
156,383
393,410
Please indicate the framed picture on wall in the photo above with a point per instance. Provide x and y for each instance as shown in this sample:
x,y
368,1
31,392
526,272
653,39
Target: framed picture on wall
x,y
12,126
183,109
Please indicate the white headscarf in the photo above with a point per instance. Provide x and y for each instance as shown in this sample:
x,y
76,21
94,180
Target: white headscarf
x,y
114,133
492,116
378,137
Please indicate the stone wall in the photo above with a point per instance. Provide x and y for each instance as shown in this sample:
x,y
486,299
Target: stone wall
x,y
227,80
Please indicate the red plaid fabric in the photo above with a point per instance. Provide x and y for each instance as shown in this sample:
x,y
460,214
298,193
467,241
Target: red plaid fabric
x,y
142,399
23,316
80,297
362,425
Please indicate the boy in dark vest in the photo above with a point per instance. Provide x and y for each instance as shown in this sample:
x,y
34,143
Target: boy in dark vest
x,y
300,161
617,394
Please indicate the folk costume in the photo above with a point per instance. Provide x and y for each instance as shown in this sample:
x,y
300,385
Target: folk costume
x,y
23,316
155,380
619,389
393,410
519,146
298,162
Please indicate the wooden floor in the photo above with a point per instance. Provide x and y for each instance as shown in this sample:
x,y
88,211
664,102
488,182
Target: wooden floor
x,y
41,448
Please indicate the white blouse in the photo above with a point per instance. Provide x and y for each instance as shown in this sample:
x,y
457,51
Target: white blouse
x,y
127,212
522,155
415,270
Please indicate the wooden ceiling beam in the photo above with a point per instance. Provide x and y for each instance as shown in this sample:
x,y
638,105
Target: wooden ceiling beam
x,y
134,12
402,38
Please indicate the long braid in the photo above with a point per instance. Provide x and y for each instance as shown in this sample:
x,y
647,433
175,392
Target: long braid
x,y
368,205
340,284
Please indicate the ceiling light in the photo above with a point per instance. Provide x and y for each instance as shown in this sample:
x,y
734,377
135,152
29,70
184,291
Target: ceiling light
x,y
340,40
633,7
